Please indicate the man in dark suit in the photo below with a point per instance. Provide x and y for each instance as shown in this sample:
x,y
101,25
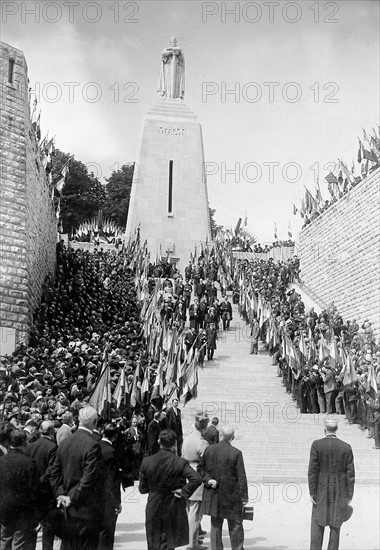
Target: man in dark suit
x,y
226,489
163,476
211,435
77,479
331,478
19,490
111,494
43,452
134,437
174,422
153,432
225,310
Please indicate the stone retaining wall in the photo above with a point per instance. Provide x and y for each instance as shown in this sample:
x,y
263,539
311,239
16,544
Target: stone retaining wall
x,y
340,253
28,225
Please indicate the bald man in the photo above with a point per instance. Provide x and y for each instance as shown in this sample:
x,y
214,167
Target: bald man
x,y
43,451
331,479
225,489
78,483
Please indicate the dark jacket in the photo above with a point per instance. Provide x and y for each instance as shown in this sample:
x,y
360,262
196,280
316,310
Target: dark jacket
x,y
331,480
43,451
19,490
160,475
153,431
224,463
111,495
77,472
174,422
211,435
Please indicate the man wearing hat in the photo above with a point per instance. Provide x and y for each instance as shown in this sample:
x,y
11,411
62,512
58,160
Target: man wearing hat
x,y
78,482
331,479
193,447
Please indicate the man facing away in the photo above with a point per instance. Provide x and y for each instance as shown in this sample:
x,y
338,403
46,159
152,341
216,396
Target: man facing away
x,y
163,475
43,452
226,489
331,479
77,479
19,490
211,435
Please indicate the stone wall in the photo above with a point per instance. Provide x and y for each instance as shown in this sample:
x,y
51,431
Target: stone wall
x,y
340,253
28,225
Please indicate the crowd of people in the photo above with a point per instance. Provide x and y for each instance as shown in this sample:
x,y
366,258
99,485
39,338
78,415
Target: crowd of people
x,y
327,364
110,311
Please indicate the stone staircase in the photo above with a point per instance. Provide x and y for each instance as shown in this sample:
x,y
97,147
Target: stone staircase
x,y
244,390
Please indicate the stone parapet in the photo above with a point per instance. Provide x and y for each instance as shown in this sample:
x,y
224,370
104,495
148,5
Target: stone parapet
x,y
340,253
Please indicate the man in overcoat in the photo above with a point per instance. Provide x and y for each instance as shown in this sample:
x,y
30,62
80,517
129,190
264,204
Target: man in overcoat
x,y
163,475
43,452
111,495
78,482
19,495
331,479
174,422
225,489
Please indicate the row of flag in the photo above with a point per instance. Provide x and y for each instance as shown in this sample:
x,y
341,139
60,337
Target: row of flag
x,y
343,179
176,369
340,359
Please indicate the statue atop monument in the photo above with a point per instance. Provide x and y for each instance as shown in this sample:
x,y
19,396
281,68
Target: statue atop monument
x,y
171,84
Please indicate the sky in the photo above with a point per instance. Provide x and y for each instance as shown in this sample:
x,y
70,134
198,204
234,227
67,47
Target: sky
x,y
282,89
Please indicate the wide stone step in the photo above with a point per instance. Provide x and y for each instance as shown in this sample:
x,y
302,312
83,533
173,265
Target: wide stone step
x,y
245,390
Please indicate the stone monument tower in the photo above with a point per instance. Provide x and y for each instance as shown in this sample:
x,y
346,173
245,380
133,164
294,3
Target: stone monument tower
x,y
169,200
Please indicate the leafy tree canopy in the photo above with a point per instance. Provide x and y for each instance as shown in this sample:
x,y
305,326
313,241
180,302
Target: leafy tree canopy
x,y
82,195
118,189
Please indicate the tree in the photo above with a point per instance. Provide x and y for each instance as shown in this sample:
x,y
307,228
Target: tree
x,y
118,189
214,226
82,195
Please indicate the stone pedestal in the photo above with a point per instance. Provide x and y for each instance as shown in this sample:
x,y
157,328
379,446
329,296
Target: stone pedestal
x,y
169,193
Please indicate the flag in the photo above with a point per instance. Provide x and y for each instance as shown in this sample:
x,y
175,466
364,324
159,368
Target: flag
x,y
101,396
136,388
190,389
119,392
372,385
360,152
334,355
295,209
349,375
369,155
275,231
145,384
290,234
323,351
63,173
318,195
303,348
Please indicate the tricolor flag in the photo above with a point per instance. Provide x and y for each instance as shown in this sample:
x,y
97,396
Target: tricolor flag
x,y
101,396
372,384
119,392
360,152
349,374
275,231
290,234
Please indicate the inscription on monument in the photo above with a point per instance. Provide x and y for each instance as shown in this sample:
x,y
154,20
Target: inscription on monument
x,y
171,131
